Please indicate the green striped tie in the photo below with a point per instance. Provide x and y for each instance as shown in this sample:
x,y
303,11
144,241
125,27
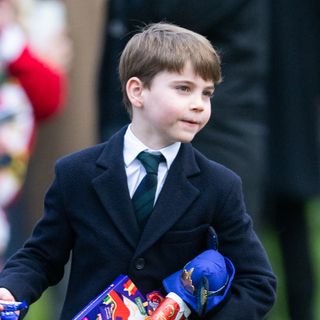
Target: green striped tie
x,y
143,198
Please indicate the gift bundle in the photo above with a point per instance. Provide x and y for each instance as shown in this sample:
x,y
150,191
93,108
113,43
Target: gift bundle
x,y
199,287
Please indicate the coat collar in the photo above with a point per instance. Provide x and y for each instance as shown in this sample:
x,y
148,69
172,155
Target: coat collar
x,y
175,197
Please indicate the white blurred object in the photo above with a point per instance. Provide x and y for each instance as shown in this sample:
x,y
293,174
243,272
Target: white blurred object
x,y
12,42
45,23
4,232
16,131
46,20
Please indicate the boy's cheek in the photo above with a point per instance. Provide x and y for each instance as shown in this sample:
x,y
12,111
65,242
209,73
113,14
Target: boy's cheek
x,y
204,124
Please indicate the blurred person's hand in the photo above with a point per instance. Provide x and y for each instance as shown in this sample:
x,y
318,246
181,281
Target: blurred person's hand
x,y
57,52
47,30
7,13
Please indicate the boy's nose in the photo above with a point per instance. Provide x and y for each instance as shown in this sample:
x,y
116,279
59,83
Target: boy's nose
x,y
197,105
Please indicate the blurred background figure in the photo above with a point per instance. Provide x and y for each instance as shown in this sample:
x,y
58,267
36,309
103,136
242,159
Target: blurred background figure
x,y
72,129
235,135
294,142
34,54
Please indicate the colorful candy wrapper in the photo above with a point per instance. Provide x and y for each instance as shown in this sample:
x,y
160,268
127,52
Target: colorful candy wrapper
x,y
121,301
10,315
154,299
8,312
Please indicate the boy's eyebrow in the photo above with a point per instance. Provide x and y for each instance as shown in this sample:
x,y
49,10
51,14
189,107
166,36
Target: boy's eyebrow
x,y
210,87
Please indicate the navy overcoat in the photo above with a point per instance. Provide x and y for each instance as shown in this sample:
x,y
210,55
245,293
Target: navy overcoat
x,y
88,213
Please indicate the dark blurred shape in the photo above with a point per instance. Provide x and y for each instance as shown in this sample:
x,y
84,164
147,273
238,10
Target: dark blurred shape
x,y
294,153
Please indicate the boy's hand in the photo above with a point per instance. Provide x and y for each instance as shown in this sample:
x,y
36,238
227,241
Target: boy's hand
x,y
5,296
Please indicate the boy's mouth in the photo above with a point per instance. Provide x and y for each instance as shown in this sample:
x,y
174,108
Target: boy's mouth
x,y
192,122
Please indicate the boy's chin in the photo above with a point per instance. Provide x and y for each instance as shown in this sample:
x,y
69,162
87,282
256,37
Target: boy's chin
x,y
186,138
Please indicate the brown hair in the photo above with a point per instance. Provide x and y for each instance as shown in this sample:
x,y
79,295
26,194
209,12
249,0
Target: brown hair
x,y
166,47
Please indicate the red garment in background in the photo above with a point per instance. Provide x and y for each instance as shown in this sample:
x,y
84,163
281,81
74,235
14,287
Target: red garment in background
x,y
44,86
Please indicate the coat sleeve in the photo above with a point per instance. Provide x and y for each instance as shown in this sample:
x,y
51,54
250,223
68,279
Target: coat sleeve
x,y
40,263
254,286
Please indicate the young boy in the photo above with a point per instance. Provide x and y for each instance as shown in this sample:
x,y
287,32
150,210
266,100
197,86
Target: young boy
x,y
168,76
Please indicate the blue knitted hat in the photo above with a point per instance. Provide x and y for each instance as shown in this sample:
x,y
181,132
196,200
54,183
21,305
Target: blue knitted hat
x,y
204,281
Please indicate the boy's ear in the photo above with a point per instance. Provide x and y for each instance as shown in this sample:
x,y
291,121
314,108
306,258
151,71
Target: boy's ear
x,y
134,89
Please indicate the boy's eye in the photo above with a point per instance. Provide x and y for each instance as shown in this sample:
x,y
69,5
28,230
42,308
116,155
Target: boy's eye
x,y
183,88
208,93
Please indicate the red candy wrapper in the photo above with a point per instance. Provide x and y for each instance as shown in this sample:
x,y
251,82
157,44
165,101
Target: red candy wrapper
x,y
171,308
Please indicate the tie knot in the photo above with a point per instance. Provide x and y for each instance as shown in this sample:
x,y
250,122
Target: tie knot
x,y
150,161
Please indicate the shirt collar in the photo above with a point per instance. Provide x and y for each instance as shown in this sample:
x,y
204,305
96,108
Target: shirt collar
x,y
133,146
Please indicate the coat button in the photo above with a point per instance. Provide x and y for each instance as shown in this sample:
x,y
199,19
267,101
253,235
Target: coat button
x,y
140,263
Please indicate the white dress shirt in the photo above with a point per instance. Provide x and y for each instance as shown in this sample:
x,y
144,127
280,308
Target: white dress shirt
x,y
134,168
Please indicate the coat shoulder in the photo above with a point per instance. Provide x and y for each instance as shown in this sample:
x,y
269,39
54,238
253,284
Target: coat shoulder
x,y
89,154
211,167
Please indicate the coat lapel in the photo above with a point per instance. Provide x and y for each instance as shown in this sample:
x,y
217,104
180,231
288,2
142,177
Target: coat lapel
x,y
112,189
176,196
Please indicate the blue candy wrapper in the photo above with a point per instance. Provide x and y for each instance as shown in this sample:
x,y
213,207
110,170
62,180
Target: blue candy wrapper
x,y
121,300
8,312
10,315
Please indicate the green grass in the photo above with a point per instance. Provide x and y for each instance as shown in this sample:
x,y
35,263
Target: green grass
x,y
313,210
279,311
43,308
269,239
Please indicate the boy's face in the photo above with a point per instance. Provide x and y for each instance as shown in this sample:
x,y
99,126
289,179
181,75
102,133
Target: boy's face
x,y
175,108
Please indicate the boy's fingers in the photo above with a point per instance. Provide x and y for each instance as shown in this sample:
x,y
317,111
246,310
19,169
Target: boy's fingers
x,y
6,296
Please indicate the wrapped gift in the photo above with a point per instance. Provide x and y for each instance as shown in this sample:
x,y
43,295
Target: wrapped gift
x,y
120,301
9,310
172,307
